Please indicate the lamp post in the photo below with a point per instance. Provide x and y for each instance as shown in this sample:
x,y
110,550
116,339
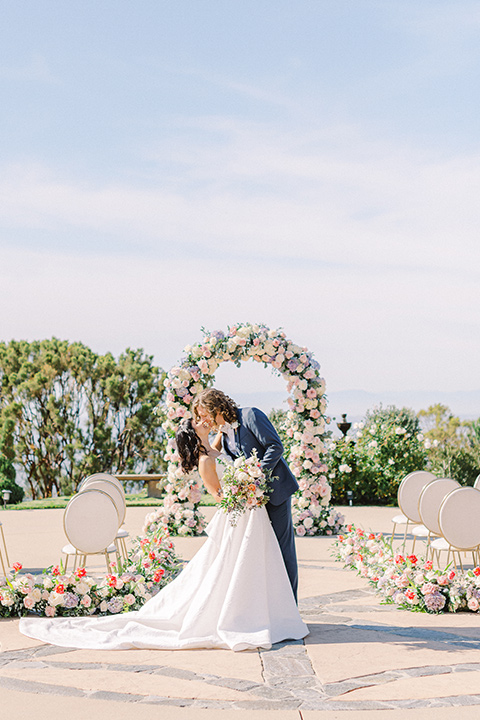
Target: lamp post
x,y
6,497
344,426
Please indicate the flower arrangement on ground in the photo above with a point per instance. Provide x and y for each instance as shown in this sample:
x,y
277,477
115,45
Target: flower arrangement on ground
x,y
407,580
244,487
151,564
306,420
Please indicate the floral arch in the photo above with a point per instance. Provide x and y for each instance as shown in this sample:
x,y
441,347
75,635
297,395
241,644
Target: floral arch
x,y
304,426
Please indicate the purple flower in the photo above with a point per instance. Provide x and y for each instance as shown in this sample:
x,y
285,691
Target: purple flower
x,y
115,605
292,365
435,601
70,600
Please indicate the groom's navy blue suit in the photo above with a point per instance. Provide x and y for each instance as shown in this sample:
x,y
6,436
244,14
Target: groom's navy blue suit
x,y
255,431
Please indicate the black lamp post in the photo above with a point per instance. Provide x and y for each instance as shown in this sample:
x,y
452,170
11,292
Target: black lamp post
x,y
344,426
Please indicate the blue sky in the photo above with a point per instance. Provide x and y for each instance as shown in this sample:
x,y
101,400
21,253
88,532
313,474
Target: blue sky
x,y
311,165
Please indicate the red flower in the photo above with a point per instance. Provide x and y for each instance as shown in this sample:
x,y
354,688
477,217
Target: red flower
x,y
410,594
399,559
428,565
144,542
413,559
60,589
80,572
17,566
152,555
112,580
476,571
451,575
371,536
158,574
55,570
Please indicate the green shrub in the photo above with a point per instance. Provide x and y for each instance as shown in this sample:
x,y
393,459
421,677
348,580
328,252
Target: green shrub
x,y
16,491
387,447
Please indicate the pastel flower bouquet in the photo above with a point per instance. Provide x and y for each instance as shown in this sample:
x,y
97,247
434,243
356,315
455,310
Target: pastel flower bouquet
x,y
244,486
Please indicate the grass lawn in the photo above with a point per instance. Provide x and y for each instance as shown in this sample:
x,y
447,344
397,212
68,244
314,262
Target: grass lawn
x,y
132,499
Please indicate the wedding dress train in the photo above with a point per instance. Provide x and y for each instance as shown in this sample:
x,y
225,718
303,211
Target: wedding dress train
x,y
234,594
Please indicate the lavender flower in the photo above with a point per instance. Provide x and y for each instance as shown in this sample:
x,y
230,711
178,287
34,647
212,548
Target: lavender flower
x,y
435,601
70,600
115,604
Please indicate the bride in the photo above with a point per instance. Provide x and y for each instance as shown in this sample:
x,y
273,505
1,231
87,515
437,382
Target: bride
x,y
234,594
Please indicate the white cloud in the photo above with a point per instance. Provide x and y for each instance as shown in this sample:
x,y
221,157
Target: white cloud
x,y
366,204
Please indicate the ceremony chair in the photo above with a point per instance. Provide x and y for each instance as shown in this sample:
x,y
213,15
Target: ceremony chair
x,y
408,495
5,551
114,488
431,498
459,525
90,522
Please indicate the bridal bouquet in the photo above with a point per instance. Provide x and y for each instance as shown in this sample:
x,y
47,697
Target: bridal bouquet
x,y
244,486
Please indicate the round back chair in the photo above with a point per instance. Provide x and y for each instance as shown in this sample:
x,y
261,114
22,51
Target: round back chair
x,y
409,493
103,476
90,521
106,486
431,498
459,518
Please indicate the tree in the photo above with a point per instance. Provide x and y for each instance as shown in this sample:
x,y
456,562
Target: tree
x,y
453,445
72,412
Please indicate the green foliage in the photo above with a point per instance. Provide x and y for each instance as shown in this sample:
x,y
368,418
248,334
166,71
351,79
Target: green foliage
x,y
344,473
66,412
388,446
16,491
453,445
280,422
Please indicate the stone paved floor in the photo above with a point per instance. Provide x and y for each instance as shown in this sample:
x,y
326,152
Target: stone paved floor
x,y
360,657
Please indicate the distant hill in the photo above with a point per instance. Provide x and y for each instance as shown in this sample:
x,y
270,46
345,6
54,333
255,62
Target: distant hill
x,y
355,403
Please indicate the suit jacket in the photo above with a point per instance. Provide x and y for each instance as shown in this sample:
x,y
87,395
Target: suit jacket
x,y
256,431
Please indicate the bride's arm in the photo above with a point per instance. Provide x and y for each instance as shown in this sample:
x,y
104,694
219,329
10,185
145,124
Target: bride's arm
x,y
208,473
217,443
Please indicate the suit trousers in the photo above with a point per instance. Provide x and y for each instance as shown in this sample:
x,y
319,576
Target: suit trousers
x,y
281,519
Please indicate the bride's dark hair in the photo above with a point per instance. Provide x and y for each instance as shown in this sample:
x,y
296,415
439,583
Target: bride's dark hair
x,y
189,446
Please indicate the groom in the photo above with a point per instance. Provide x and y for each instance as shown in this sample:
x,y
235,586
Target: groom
x,y
240,431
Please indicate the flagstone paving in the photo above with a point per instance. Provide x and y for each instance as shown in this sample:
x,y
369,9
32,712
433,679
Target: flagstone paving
x,y
361,657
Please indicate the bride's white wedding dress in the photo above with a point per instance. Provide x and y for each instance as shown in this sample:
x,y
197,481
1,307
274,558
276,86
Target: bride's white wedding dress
x,y
234,594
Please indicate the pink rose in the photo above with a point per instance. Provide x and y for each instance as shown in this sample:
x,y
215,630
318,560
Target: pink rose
x,y
473,604
300,530
314,414
50,611
29,602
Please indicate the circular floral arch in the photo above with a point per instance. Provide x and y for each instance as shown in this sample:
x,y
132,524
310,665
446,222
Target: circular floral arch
x,y
304,425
